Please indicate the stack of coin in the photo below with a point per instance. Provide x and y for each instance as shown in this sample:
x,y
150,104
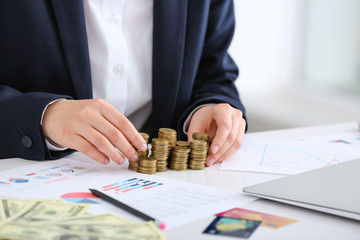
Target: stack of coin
x,y
160,152
180,156
168,134
141,154
146,138
199,150
147,165
202,136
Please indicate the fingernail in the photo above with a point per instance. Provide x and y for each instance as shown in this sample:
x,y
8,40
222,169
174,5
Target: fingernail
x,y
134,158
106,161
143,147
121,161
215,149
211,161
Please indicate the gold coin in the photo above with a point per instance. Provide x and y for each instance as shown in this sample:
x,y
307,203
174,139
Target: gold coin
x,y
179,169
198,143
196,167
160,142
201,136
182,143
167,131
146,172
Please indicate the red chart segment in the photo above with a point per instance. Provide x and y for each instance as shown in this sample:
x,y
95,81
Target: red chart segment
x,y
80,197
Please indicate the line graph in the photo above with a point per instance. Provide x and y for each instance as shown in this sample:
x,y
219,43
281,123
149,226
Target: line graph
x,y
301,157
288,156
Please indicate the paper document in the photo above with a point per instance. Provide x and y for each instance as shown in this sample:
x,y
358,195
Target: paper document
x,y
287,156
351,139
173,202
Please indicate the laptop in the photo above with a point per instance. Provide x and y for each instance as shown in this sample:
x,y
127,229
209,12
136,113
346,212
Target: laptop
x,y
334,189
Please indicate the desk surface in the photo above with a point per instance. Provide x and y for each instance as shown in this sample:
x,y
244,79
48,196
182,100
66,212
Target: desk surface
x,y
311,224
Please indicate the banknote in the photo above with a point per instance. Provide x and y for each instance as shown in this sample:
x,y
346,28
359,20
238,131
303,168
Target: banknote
x,y
47,210
18,231
51,219
107,218
133,231
147,230
10,207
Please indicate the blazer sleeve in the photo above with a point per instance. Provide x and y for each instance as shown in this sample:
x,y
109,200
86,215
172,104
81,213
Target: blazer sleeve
x,y
217,72
20,132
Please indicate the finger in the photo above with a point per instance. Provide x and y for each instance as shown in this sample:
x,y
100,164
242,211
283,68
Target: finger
x,y
117,139
232,149
123,124
82,145
231,138
223,119
102,143
195,126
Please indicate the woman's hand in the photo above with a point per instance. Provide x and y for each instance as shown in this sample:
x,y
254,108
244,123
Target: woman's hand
x,y
225,126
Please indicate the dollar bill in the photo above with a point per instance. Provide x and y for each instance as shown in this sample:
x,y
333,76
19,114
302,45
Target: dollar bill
x,y
47,210
54,220
134,231
18,231
107,218
10,207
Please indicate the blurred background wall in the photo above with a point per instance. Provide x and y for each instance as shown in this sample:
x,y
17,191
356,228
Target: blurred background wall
x,y
299,61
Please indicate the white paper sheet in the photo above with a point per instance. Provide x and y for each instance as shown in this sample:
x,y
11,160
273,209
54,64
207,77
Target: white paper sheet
x,y
352,138
287,156
173,202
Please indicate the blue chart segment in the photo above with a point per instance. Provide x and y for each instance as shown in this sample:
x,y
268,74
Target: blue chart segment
x,y
300,158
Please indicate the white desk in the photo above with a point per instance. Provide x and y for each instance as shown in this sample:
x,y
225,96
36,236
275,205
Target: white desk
x,y
311,225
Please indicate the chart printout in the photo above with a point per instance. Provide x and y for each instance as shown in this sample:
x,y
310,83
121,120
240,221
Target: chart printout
x,y
173,202
287,156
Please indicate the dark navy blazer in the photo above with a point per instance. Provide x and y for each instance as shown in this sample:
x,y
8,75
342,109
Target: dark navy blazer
x,y
44,56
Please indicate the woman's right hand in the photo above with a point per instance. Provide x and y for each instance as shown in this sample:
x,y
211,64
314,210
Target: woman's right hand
x,y
93,127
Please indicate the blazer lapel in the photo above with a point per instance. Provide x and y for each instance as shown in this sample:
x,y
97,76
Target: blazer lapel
x,y
168,50
70,20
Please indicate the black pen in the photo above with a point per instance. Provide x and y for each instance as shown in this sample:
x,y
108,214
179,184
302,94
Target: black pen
x,y
127,208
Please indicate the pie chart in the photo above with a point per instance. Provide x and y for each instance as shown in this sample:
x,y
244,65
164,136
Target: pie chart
x,y
80,197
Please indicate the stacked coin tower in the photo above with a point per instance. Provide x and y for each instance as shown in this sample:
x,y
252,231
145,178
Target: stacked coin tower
x,y
180,156
199,150
160,153
165,147
141,154
169,135
147,165
201,136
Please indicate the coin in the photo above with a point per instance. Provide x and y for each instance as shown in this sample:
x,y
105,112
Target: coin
x,y
168,134
166,152
141,154
179,158
201,136
160,152
182,143
199,150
